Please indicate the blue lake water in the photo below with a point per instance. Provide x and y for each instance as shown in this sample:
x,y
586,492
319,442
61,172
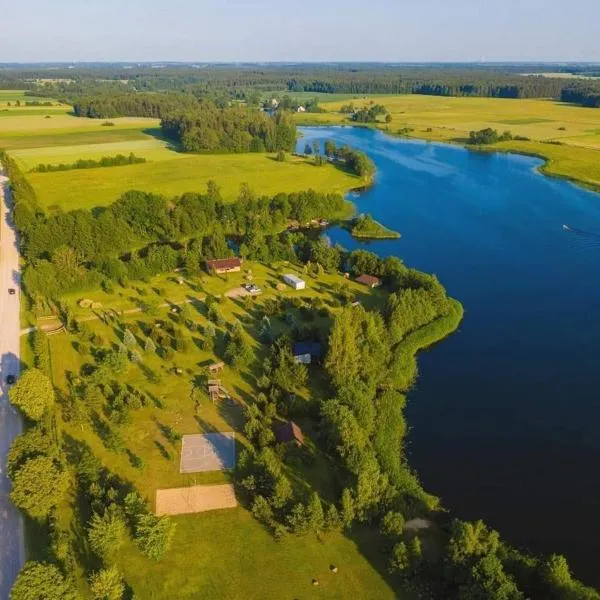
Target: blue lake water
x,y
505,416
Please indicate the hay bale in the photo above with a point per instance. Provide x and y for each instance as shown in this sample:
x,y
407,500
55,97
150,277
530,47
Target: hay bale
x,y
96,305
281,287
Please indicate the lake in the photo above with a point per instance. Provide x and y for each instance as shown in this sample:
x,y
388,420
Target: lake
x,y
505,415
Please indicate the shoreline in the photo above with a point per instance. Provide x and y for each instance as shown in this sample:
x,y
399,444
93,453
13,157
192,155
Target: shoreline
x,y
543,169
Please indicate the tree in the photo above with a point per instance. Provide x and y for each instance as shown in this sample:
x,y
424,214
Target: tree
x,y
392,524
388,118
399,561
129,339
314,513
42,581
154,535
343,358
471,540
330,148
107,533
33,394
348,513
38,486
308,149
107,584
490,582
149,346
281,156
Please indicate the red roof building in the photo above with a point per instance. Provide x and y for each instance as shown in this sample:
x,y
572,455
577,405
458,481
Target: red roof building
x,y
224,265
368,280
289,432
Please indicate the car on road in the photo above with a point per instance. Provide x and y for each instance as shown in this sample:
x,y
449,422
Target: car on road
x,y
12,291
10,379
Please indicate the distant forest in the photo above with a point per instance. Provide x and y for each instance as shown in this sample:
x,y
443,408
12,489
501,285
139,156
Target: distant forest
x,y
247,82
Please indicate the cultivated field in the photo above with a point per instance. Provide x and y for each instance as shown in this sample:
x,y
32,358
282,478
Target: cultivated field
x,y
63,138
87,188
447,119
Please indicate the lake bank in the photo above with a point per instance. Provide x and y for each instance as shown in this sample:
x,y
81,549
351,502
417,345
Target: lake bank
x,y
504,409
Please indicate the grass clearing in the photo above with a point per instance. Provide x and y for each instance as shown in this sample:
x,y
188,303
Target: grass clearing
x,y
88,188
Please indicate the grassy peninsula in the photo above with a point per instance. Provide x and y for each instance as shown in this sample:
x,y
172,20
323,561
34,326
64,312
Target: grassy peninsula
x,y
367,228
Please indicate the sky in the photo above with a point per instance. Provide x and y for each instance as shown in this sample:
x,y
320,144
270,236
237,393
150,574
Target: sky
x,y
301,30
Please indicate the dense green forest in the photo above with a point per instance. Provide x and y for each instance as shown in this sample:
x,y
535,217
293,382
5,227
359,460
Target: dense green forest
x,y
246,82
584,93
208,128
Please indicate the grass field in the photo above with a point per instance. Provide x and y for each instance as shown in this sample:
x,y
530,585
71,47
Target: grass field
x,y
223,554
33,139
449,119
88,188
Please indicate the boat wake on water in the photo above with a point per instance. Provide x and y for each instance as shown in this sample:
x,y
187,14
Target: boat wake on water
x,y
582,238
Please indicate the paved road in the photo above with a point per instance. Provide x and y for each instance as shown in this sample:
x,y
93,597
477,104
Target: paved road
x,y
12,551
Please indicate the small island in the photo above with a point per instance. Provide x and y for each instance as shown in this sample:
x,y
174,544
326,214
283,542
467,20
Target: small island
x,y
366,227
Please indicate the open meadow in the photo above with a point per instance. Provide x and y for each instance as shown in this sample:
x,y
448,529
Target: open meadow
x,y
567,135
227,553
34,139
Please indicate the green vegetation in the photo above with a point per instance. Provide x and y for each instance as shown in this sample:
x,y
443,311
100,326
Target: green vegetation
x,y
106,161
211,129
365,226
488,136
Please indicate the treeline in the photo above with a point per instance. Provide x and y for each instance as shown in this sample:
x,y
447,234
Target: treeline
x,y
208,128
242,82
131,104
106,161
141,235
26,209
586,94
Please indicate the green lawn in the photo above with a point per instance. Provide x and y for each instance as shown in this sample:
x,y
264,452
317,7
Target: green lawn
x,y
88,188
227,555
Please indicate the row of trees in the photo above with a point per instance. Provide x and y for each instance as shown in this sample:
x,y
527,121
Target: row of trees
x,y
586,94
130,104
139,236
208,128
118,160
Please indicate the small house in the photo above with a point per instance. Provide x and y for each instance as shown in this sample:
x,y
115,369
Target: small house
x,y
224,265
305,352
289,432
301,109
295,282
368,280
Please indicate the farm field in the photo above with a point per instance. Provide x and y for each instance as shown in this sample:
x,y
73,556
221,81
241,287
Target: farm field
x,y
239,557
87,188
32,140
567,136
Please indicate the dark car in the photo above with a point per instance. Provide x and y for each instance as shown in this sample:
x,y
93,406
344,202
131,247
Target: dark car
x,y
12,291
10,379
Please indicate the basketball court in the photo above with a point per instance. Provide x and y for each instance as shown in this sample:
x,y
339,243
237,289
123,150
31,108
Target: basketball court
x,y
207,452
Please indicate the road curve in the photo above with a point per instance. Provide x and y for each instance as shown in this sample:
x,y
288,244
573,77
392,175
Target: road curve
x,y
12,551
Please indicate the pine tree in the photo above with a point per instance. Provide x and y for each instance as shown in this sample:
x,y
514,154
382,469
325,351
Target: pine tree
x,y
129,339
149,346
